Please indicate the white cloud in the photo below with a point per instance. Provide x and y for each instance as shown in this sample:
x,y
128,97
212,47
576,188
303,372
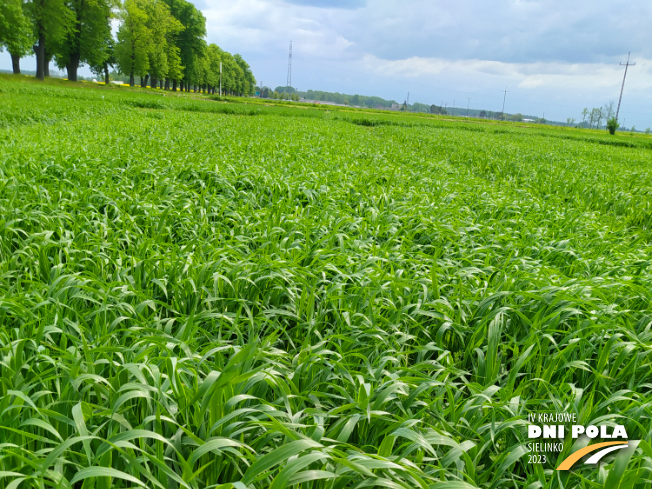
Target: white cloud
x,y
523,75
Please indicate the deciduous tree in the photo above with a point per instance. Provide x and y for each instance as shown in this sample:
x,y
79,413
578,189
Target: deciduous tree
x,y
248,80
51,22
132,49
608,110
15,31
86,41
102,68
190,41
163,28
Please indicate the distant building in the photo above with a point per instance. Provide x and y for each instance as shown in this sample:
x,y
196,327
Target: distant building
x,y
396,107
528,120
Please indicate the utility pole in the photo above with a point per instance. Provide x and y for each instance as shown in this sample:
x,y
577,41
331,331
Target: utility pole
x,y
504,97
626,65
408,100
289,81
220,78
467,107
453,107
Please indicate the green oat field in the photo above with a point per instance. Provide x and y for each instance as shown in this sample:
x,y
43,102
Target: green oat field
x,y
200,294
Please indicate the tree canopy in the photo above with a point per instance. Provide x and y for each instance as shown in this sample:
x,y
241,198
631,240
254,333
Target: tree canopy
x,y
161,41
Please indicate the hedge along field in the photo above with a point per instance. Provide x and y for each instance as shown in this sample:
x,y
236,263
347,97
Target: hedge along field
x,y
198,294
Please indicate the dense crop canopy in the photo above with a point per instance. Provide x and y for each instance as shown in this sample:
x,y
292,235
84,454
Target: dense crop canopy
x,y
196,293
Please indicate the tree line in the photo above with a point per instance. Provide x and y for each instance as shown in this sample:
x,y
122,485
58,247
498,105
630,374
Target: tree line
x,y
594,117
342,98
160,41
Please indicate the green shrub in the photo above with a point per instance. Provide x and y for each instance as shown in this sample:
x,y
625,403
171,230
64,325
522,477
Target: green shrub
x,y
612,125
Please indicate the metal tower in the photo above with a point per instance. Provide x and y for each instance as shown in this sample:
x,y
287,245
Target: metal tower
x,y
289,82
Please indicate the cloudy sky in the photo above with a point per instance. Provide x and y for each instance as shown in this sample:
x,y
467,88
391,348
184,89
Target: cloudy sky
x,y
553,56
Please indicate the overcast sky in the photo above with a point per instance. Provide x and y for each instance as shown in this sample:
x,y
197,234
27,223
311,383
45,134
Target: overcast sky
x,y
554,57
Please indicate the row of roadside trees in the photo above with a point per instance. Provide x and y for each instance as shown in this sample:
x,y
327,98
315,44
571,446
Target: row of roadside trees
x,y
160,41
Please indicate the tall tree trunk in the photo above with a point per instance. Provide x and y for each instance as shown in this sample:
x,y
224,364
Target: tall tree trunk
x,y
48,58
167,83
174,85
106,74
15,63
39,51
132,81
153,82
73,66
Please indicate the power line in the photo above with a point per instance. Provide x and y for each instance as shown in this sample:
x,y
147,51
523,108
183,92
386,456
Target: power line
x,y
483,94
627,65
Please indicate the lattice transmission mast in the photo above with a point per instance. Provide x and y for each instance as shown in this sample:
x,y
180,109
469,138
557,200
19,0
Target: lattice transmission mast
x,y
289,82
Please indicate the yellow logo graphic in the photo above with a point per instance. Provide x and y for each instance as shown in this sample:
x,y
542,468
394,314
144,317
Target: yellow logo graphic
x,y
609,446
